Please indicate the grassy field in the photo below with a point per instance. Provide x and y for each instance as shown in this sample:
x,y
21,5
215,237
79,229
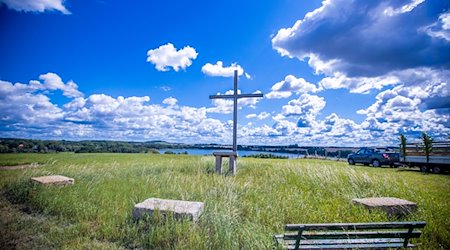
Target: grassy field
x,y
242,211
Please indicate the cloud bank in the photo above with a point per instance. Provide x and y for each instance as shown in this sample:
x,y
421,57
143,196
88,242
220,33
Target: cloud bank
x,y
368,38
397,48
27,110
371,45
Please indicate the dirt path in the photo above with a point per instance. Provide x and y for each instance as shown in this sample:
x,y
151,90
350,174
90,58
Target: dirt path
x,y
23,166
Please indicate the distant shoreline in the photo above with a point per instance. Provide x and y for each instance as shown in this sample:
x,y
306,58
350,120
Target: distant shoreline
x,y
17,145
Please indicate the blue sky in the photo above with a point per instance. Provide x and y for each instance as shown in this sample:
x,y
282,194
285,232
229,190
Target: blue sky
x,y
334,73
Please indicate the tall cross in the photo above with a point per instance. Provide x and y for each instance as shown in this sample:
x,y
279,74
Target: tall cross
x,y
235,98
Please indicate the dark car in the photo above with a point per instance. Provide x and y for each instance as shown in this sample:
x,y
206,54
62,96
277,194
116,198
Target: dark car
x,y
375,156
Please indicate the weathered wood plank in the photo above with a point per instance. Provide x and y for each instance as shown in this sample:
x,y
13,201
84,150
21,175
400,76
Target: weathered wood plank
x,y
354,226
353,246
353,235
346,241
225,153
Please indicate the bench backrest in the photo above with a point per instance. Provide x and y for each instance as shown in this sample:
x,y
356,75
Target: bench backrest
x,y
352,235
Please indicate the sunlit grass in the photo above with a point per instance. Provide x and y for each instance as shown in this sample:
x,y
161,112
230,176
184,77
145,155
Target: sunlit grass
x,y
242,211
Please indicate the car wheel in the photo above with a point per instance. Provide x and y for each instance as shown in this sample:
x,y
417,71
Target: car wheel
x,y
423,169
376,163
351,161
436,170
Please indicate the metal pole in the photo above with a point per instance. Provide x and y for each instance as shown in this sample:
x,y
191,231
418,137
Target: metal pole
x,y
235,111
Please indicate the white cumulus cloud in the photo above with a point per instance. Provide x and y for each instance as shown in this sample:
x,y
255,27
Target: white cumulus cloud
x,y
170,101
54,82
167,56
219,70
390,11
284,88
260,116
306,104
36,5
18,104
439,29
362,85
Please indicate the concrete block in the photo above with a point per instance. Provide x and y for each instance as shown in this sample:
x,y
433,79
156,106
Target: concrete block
x,y
392,206
54,180
190,210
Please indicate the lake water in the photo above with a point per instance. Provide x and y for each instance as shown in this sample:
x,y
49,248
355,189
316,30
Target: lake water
x,y
196,151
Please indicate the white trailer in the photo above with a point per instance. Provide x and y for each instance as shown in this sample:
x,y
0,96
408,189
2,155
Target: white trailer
x,y
438,160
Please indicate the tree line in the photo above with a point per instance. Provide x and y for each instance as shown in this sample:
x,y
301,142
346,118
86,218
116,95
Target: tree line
x,y
52,146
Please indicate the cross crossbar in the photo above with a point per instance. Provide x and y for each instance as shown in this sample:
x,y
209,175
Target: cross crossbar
x,y
235,96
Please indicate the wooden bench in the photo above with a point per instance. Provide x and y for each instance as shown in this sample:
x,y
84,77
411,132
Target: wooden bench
x,y
349,235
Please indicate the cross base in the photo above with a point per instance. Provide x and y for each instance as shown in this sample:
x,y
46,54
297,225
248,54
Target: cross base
x,y
231,165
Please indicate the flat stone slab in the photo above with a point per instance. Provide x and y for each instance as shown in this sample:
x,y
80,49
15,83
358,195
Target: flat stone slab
x,y
190,210
57,180
391,205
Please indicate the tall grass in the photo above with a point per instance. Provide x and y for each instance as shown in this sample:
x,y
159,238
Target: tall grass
x,y
241,212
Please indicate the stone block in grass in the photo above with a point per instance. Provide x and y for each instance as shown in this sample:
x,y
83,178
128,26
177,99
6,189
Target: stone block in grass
x,y
190,210
54,180
392,206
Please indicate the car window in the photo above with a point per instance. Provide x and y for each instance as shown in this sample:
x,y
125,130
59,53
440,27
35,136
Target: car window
x,y
369,151
361,151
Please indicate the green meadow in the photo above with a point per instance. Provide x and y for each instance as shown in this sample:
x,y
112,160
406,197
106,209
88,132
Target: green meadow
x,y
241,212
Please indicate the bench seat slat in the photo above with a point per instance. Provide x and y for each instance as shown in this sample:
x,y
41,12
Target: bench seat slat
x,y
354,226
352,235
344,242
348,241
350,246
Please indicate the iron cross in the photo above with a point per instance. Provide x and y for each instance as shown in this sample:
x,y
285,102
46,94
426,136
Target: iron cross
x,y
235,98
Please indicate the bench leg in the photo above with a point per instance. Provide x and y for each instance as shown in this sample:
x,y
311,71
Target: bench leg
x,y
218,164
232,165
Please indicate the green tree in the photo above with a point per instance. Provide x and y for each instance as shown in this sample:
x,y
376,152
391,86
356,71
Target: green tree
x,y
4,148
403,146
427,145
